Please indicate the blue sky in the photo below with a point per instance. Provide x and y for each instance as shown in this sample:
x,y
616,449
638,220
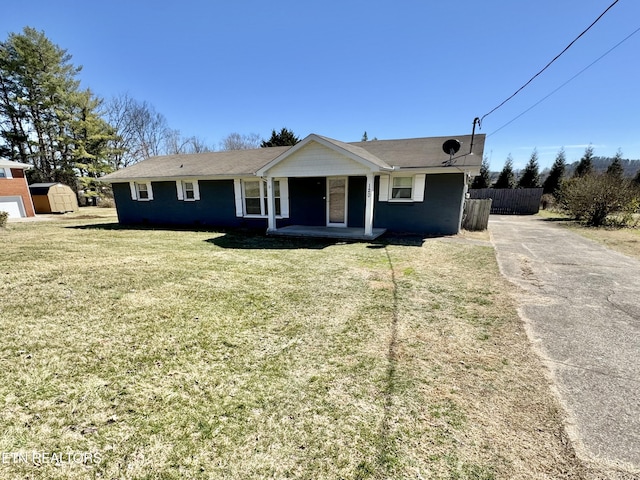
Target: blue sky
x,y
401,69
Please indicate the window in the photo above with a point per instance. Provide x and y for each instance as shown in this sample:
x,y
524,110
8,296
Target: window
x,y
401,188
2,173
255,197
188,190
143,191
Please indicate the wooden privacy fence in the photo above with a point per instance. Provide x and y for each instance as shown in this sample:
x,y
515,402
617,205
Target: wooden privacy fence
x,y
510,201
476,214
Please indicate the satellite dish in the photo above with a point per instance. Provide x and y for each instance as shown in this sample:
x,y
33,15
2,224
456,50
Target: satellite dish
x,y
451,146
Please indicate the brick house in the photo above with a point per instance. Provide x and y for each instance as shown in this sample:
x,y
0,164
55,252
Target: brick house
x,y
15,198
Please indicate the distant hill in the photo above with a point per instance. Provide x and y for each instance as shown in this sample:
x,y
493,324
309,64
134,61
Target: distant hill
x,y
600,165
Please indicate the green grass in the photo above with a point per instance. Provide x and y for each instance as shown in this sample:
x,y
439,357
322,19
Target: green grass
x,y
195,354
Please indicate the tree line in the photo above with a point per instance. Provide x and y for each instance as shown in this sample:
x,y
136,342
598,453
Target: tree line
x,y
71,135
530,176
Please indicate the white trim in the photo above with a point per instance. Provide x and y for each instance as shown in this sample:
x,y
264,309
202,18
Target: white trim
x,y
241,210
284,197
368,205
133,190
237,193
401,200
419,183
13,199
181,190
136,191
271,204
383,193
346,202
6,173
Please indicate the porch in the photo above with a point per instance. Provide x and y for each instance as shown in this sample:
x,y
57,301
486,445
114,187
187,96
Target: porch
x,y
346,233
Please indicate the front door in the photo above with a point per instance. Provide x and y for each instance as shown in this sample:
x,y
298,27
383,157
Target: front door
x,y
337,201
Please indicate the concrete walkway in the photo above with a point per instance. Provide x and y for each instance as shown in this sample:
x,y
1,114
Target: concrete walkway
x,y
581,304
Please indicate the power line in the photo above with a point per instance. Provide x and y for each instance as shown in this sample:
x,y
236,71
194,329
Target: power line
x,y
571,79
549,64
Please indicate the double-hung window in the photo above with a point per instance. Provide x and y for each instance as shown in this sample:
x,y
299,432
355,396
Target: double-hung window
x,y
141,191
402,188
188,190
255,197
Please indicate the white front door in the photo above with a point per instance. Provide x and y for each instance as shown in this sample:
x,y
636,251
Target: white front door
x,y
337,201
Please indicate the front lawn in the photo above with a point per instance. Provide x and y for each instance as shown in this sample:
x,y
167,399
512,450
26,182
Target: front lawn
x,y
194,354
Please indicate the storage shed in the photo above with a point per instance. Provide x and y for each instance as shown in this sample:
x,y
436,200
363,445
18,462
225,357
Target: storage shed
x,y
53,198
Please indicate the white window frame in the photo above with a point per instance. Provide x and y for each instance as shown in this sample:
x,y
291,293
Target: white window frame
x,y
263,197
135,191
393,187
3,173
418,183
181,190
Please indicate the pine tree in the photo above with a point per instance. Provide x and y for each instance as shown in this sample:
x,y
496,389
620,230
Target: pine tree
x,y
554,180
585,166
531,176
282,139
483,180
615,169
365,137
507,178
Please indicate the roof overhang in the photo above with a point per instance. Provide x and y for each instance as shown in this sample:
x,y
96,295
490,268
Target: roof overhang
x,y
11,164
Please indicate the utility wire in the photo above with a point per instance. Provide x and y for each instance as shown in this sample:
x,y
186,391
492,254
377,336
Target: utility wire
x,y
571,79
549,64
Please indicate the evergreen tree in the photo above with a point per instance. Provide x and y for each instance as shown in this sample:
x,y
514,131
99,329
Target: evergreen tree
x,y
585,166
365,137
615,169
282,139
507,178
531,176
483,180
554,181
44,118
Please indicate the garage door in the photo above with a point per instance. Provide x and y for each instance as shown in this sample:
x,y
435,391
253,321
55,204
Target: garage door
x,y
13,206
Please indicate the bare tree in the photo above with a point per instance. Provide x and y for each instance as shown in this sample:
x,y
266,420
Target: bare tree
x,y
236,141
141,131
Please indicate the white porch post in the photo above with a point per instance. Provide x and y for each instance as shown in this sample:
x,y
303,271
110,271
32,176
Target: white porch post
x,y
271,206
368,208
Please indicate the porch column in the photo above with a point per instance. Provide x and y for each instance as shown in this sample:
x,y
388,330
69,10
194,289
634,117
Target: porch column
x,y
368,206
271,206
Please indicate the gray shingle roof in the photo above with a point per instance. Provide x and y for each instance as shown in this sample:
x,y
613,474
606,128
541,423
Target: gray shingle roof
x,y
404,153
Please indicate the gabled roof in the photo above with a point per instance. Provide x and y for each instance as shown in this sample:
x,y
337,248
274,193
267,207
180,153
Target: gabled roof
x,y
378,155
4,163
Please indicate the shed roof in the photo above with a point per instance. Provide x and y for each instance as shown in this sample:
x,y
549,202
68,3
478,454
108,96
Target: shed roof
x,y
403,153
42,188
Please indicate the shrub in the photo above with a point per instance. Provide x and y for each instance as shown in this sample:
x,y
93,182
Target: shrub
x,y
547,201
592,198
3,219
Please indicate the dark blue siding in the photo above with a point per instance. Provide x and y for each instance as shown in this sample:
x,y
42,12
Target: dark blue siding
x,y
438,214
216,206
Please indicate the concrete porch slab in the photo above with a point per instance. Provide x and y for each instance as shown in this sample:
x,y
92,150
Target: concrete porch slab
x,y
348,233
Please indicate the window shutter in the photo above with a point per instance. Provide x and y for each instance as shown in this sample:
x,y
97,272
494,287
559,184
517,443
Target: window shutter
x,y
196,190
237,191
419,182
150,190
134,193
284,197
383,194
179,190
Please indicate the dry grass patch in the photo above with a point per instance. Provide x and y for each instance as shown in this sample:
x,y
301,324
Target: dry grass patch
x,y
625,240
180,354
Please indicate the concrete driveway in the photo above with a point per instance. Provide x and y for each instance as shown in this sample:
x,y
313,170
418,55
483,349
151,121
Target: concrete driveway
x,y
581,304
